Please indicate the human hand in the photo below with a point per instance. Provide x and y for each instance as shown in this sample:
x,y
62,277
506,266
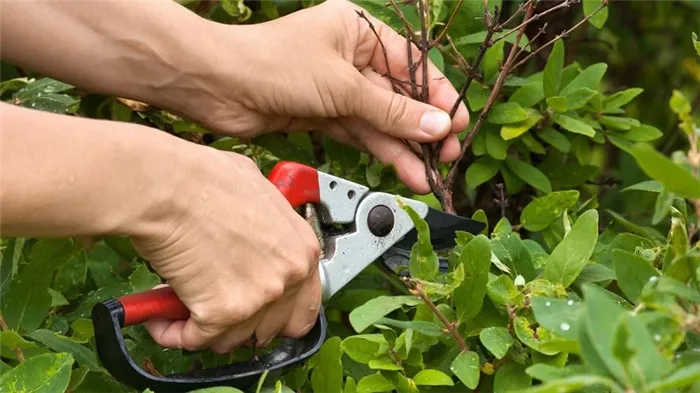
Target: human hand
x,y
315,69
237,255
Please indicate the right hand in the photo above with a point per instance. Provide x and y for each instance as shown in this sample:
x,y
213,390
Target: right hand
x,y
237,255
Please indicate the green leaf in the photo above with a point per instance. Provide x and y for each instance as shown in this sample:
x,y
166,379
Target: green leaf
x,y
367,314
327,375
142,279
514,130
496,146
510,377
497,340
527,96
466,367
423,327
542,212
27,302
436,57
571,255
57,299
648,185
55,103
602,310
573,125
58,343
642,133
71,276
362,347
558,104
480,171
510,250
560,316
547,372
41,87
469,296
589,78
477,95
9,262
696,43
680,378
529,174
374,383
281,147
590,7
574,383
675,178
621,98
507,113
556,139
533,144
679,103
432,378
618,123
45,373
551,78
493,58
478,38
11,341
424,263
579,98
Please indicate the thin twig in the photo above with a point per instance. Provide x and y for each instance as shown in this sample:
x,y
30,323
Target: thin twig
x,y
561,35
526,21
362,15
447,25
416,290
505,70
410,35
520,9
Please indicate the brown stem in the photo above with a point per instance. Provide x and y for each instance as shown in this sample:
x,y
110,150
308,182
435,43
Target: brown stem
x,y
505,70
526,21
520,9
561,35
447,25
410,35
416,290
18,352
362,15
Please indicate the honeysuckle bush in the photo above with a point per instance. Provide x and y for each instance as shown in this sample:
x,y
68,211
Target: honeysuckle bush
x,y
565,290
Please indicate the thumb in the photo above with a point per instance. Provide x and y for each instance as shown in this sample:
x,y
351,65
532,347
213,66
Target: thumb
x,y
400,116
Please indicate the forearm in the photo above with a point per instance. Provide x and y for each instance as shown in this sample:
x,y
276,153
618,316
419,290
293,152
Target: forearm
x,y
69,176
153,51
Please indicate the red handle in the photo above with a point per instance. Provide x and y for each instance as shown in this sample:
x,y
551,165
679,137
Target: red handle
x,y
299,185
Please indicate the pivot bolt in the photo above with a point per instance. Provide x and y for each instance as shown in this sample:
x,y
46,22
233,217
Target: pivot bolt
x,y
380,221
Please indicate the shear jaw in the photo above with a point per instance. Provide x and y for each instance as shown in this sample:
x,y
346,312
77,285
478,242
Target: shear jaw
x,y
379,222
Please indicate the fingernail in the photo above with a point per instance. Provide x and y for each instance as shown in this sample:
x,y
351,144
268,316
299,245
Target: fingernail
x,y
435,123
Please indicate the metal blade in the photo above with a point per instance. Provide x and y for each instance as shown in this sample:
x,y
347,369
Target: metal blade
x,y
443,230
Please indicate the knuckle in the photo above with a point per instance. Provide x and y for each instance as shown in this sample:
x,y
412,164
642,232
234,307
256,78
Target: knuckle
x,y
272,291
398,107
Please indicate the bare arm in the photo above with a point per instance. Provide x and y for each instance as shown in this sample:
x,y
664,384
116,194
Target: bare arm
x,y
69,176
154,51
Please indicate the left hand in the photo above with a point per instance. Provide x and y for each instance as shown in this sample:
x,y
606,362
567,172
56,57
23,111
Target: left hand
x,y
320,69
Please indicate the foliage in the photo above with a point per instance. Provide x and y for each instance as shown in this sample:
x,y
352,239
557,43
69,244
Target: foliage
x,y
586,279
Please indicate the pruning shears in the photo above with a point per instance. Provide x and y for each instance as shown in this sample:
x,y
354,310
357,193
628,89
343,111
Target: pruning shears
x,y
376,226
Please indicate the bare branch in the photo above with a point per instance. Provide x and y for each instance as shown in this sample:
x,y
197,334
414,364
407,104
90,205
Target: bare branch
x,y
505,70
561,35
381,44
526,21
411,35
447,25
